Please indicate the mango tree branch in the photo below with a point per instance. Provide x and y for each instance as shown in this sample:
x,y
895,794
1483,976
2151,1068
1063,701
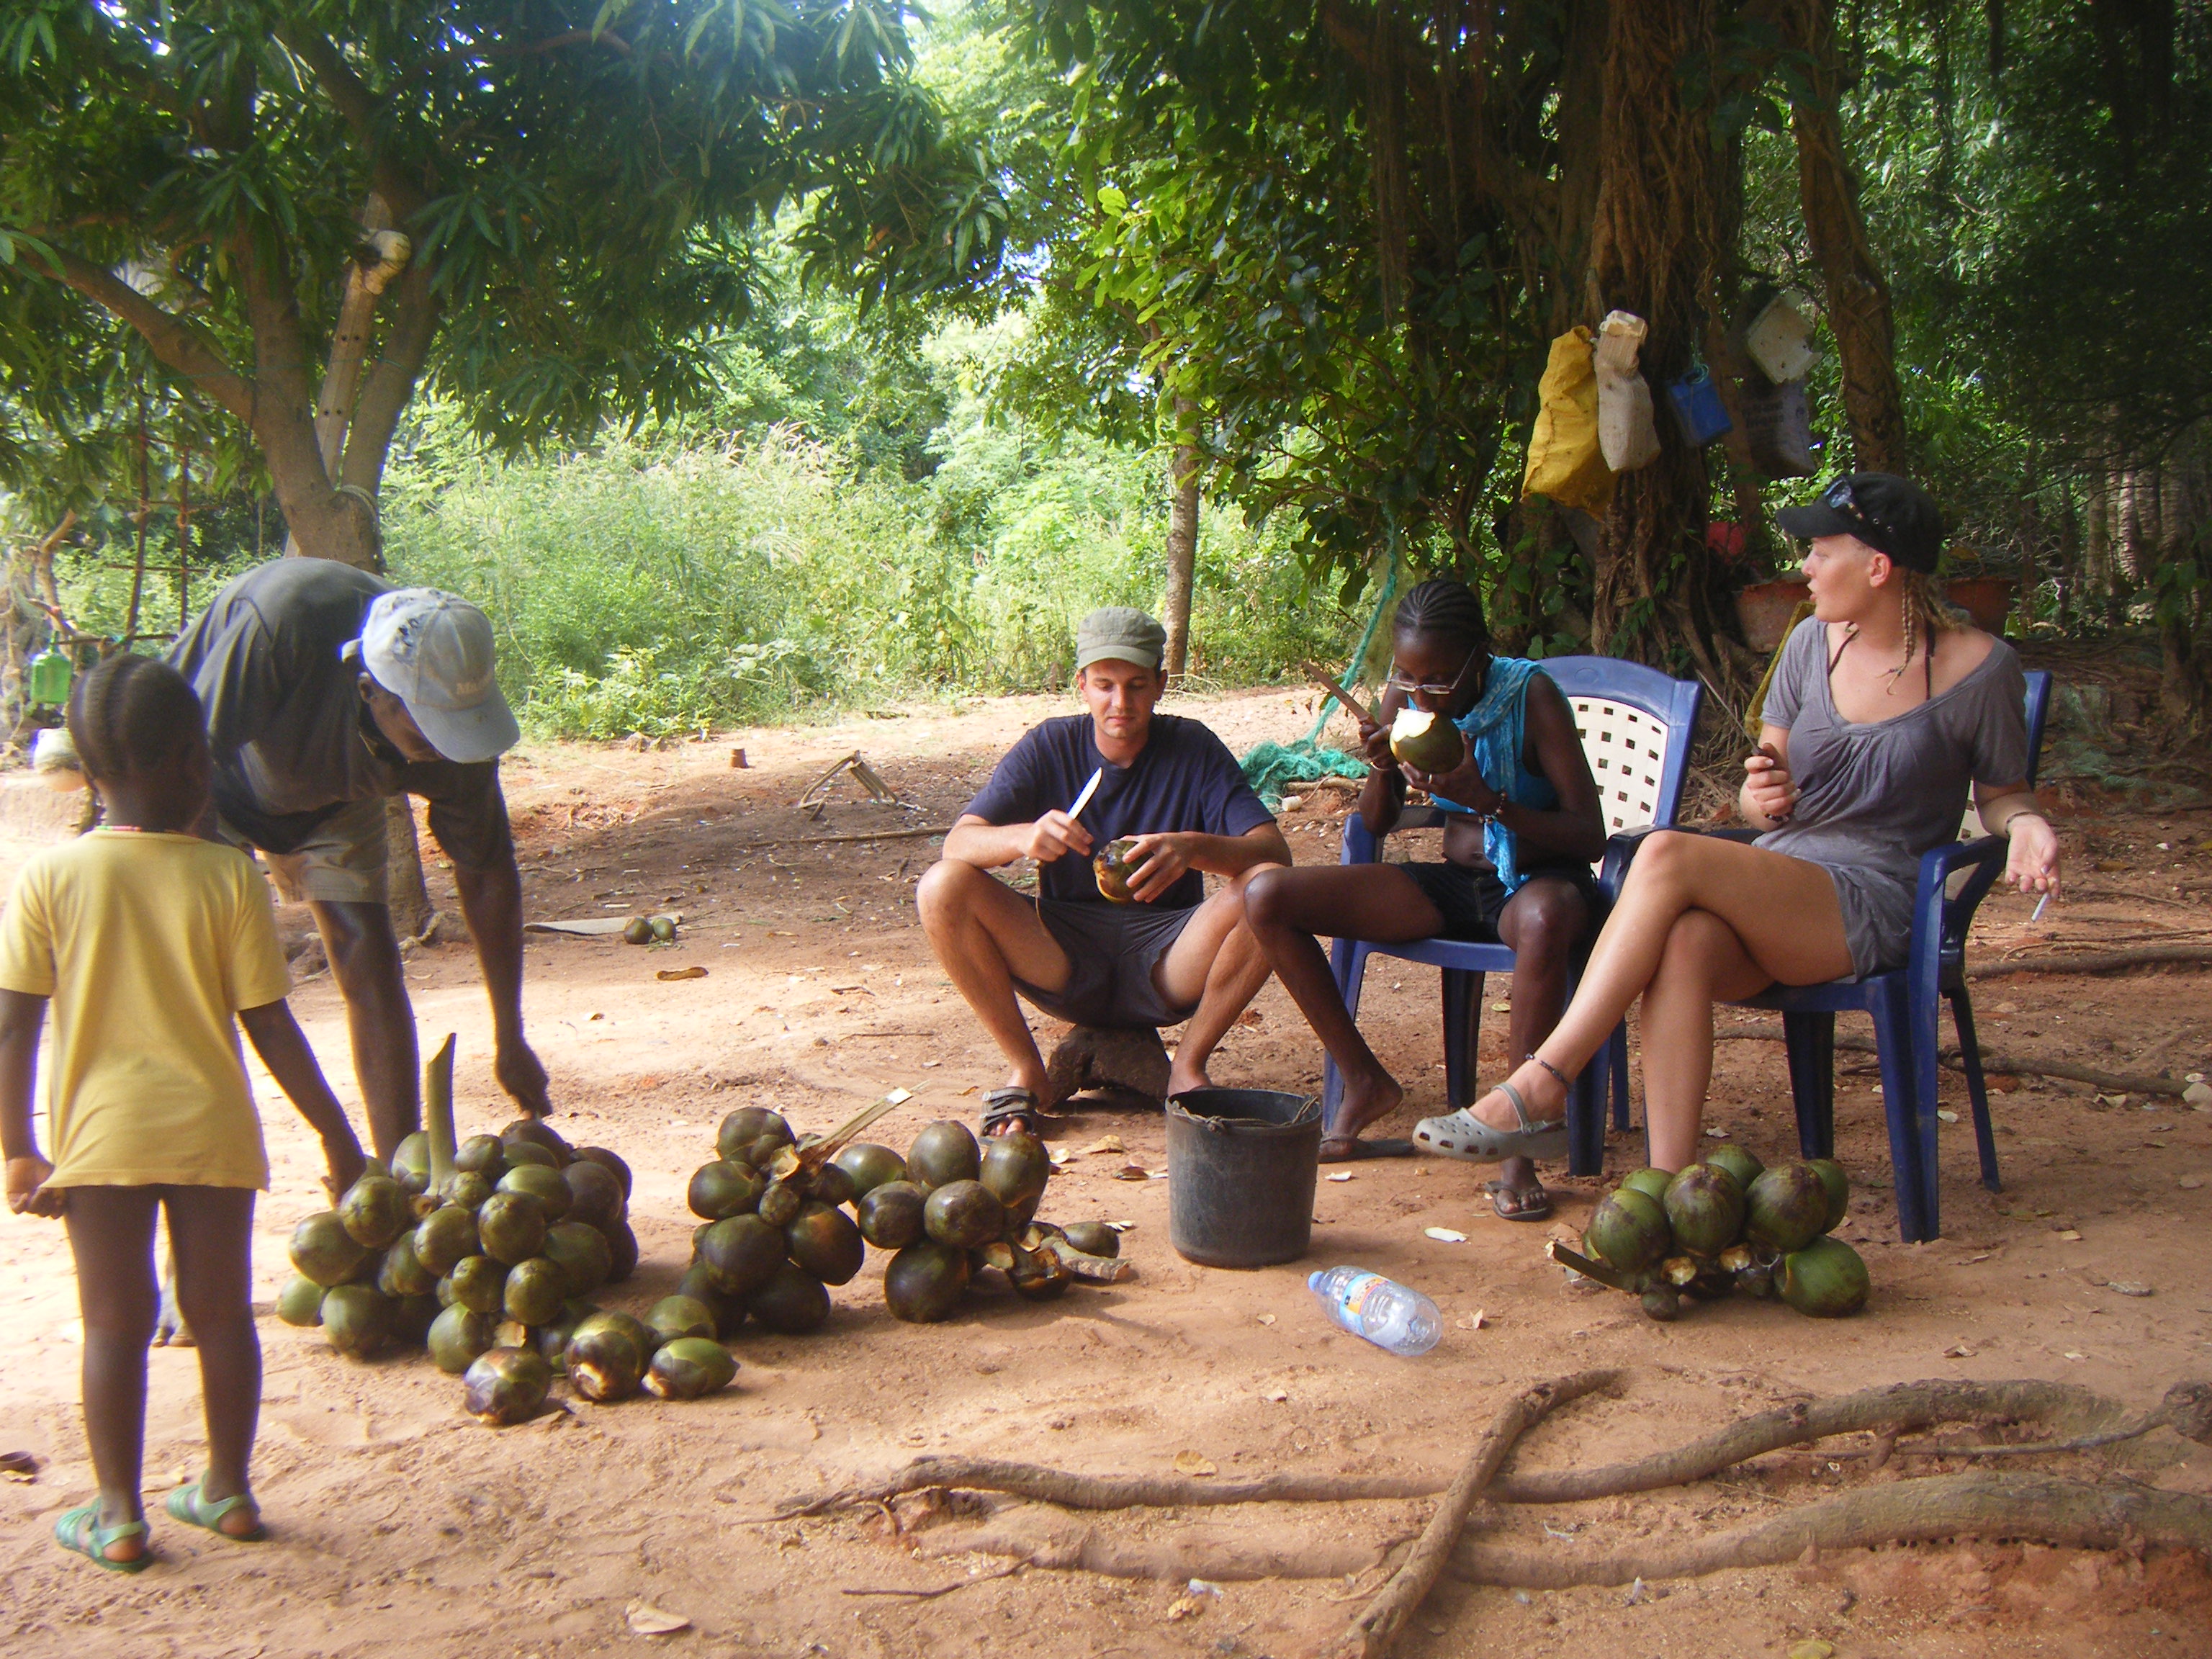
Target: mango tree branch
x,y
413,312
177,343
381,259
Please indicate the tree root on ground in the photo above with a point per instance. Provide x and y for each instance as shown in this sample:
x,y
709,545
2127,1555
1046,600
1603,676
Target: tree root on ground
x,y
2068,1513
1044,1538
2099,962
1901,1407
1116,1492
1372,1633
1995,1064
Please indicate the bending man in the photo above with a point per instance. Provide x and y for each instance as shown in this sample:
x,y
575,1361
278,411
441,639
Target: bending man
x,y
1174,954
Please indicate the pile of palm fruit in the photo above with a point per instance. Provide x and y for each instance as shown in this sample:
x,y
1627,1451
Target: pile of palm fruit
x,y
775,1233
1726,1225
487,1254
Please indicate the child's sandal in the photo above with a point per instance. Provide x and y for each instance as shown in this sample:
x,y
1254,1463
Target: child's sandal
x,y
185,1505
80,1532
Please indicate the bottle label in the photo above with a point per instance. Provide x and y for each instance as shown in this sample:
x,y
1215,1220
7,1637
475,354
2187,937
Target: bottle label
x,y
1353,1297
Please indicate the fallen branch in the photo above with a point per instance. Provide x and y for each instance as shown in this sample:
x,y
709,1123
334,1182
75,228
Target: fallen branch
x,y
2068,1513
828,840
1007,1571
2139,1083
1114,1492
1042,1537
1898,1408
2097,962
1372,1633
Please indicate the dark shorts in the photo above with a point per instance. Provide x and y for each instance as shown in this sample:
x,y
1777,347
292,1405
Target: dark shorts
x,y
1112,950
1470,900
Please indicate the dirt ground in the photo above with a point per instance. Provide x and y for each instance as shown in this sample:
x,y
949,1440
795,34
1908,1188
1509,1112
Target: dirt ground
x,y
399,1524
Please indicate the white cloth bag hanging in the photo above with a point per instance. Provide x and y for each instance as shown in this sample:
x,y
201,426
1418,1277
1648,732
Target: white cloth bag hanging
x,y
1627,436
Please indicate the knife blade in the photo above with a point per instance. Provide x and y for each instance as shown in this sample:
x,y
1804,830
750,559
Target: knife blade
x,y
1089,790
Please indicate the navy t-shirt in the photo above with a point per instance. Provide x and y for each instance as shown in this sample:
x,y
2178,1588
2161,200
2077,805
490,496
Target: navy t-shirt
x,y
1184,781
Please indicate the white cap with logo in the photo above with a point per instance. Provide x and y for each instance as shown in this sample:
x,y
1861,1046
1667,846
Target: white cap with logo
x,y
433,651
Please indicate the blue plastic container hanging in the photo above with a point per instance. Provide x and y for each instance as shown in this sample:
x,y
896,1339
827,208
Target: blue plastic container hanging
x,y
51,671
1697,407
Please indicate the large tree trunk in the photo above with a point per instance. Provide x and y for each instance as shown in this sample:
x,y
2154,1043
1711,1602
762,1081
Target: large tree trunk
x,y
1183,544
1658,598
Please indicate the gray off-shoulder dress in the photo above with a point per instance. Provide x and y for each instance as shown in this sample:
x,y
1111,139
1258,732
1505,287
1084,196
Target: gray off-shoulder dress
x,y
1873,796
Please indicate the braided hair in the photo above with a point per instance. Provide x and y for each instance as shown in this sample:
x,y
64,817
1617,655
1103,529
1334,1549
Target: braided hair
x,y
1926,615
131,715
1444,610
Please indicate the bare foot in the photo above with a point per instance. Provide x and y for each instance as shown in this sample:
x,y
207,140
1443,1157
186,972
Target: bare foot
x,y
1365,1100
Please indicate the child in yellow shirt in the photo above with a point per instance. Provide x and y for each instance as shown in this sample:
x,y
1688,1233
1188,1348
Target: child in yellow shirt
x,y
148,942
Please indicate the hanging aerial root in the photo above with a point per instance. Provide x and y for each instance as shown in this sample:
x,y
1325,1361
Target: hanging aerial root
x,y
1371,1634
1900,1408
2068,1513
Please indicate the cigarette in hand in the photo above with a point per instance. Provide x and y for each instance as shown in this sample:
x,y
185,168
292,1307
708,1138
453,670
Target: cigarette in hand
x,y
2039,903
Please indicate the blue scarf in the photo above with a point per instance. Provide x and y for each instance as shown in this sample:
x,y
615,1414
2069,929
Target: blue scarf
x,y
1496,731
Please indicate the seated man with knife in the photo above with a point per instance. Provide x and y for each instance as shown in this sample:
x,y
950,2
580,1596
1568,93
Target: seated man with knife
x,y
1170,955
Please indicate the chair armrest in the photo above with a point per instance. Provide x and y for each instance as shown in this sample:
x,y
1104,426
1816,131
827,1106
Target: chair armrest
x,y
1363,846
1951,914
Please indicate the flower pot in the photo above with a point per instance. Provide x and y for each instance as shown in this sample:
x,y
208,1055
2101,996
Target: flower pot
x,y
1765,609
1987,599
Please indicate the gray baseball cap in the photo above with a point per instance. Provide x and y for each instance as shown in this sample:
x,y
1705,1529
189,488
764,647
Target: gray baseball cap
x,y
1122,633
434,651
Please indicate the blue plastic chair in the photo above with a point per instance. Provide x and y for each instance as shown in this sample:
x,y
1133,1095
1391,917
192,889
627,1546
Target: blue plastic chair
x,y
1904,1003
1635,725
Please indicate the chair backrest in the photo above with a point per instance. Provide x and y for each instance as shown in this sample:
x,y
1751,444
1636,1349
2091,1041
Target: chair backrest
x,y
1636,725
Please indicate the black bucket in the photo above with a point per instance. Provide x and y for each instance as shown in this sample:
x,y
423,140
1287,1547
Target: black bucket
x,y
1241,1166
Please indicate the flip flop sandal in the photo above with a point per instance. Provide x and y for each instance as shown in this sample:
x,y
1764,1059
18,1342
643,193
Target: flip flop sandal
x,y
1351,1148
185,1505
1499,1192
1003,1107
1461,1134
80,1532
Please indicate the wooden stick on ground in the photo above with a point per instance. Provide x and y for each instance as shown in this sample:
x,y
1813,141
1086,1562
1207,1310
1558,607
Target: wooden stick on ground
x,y
1372,1633
2101,962
2136,1083
2070,1513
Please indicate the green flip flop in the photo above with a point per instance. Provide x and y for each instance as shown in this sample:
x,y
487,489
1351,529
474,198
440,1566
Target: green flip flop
x,y
185,1505
80,1532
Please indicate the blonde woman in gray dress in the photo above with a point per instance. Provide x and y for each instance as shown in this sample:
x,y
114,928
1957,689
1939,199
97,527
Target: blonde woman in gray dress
x,y
1883,710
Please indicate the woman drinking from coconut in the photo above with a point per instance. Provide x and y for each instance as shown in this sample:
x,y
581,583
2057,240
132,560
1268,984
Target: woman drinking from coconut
x,y
148,943
1522,830
1883,708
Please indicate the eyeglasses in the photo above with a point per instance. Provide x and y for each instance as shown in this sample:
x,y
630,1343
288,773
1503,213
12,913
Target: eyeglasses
x,y
1843,498
1429,689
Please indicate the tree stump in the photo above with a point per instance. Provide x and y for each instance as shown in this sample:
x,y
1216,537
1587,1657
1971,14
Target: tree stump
x,y
1129,1066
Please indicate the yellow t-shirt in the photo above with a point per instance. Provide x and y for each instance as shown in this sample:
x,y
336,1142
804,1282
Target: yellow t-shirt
x,y
149,945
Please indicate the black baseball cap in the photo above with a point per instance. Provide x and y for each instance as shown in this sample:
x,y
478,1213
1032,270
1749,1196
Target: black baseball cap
x,y
1891,514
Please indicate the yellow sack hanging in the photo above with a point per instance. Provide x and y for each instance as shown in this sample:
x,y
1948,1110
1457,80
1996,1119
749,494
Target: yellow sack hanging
x,y
1564,460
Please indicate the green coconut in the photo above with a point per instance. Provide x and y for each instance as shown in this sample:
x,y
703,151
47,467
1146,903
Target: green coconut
x,y
467,1191
403,1274
457,1336
622,1249
1111,865
1628,1230
698,1285
722,1189
512,1225
1786,1208
663,930
924,1282
869,1166
637,931
582,1252
323,1251
779,1200
445,1237
412,1317
543,1184
606,1357
943,1151
478,1284
538,1133
482,1155
1737,1161
301,1302
833,1186
1838,1186
792,1303
741,1253
680,1315
506,1386
535,1290
1663,1303
1652,1183
689,1368
822,1239
1015,1167
410,1163
1704,1208
357,1319
891,1215
611,1162
1426,741
964,1214
1826,1280
595,1197
1093,1238
745,1129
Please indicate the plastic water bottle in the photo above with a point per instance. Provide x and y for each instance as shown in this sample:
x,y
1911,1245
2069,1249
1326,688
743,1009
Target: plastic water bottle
x,y
1387,1314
